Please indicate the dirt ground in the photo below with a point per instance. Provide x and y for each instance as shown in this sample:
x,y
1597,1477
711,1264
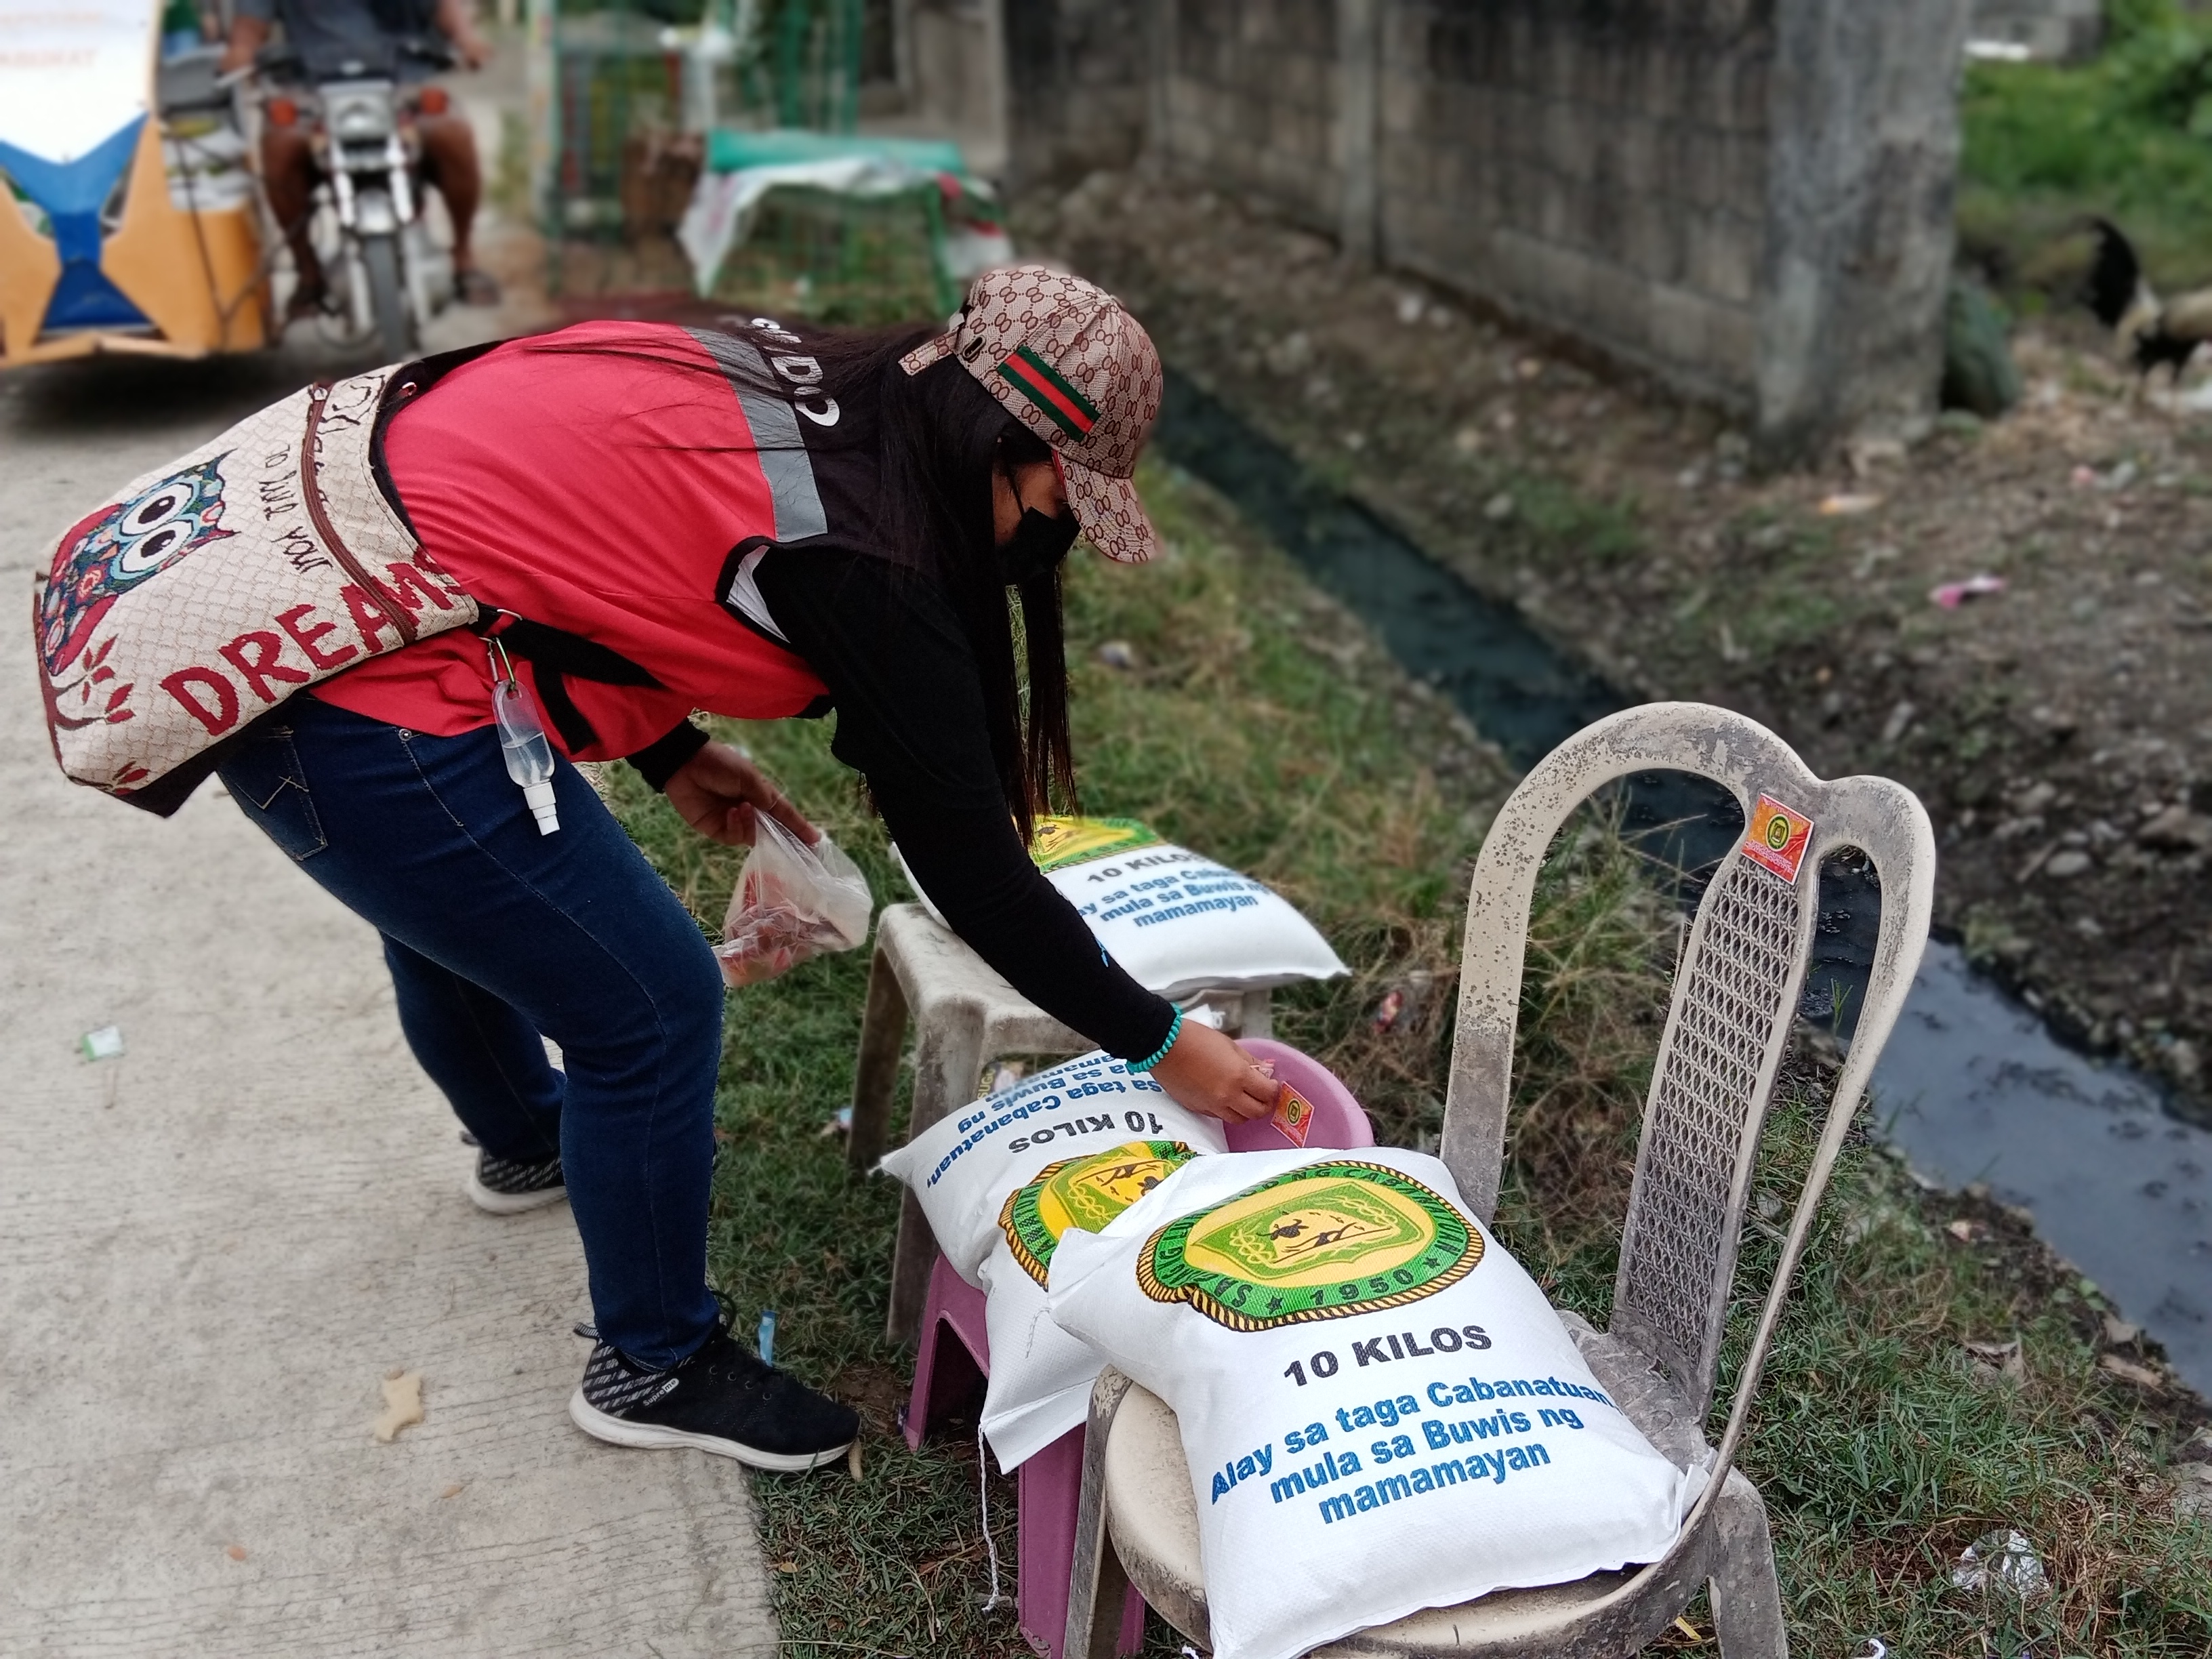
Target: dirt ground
x,y
2056,729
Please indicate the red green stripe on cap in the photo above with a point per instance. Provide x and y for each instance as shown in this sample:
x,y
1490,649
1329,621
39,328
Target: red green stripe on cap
x,y
1035,379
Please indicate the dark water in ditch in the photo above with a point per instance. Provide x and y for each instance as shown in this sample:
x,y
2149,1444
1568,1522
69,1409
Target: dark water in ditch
x,y
1972,1086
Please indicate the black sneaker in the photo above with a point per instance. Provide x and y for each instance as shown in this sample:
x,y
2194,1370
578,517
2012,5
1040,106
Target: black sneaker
x,y
721,1400
506,1186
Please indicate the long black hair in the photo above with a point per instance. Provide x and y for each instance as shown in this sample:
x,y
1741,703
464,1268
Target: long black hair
x,y
938,439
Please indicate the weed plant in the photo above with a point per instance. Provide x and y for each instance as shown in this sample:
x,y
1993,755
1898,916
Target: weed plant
x,y
1262,724
1603,531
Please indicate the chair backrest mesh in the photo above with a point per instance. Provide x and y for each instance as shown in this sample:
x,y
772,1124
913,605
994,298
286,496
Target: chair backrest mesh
x,y
1702,1119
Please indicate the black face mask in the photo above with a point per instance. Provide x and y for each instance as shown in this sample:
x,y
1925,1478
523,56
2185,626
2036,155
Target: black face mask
x,y
1040,543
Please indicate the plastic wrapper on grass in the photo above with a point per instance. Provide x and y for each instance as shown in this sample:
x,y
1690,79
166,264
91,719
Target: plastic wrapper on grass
x,y
793,903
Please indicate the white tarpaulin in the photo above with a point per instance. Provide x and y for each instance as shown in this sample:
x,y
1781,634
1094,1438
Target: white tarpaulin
x,y
720,215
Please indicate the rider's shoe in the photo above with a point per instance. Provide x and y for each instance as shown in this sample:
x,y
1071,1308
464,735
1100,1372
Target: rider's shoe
x,y
472,286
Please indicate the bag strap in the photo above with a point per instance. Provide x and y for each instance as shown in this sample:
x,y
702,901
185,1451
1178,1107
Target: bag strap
x,y
311,491
405,385
555,653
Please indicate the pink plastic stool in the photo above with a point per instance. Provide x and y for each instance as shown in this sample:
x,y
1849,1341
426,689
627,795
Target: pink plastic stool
x,y
949,1374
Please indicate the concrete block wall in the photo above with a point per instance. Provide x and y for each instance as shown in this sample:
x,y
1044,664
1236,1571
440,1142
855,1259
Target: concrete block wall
x,y
1249,99
1863,169
1600,166
1751,199
1078,86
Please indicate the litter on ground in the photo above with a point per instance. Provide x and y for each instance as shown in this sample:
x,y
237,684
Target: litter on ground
x,y
1847,505
1998,1362
403,1405
2128,1371
2003,1558
1952,595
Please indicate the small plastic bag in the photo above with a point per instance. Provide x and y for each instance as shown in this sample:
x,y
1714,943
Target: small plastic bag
x,y
792,901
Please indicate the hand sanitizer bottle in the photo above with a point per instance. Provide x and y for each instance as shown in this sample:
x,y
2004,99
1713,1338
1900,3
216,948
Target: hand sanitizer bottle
x,y
523,746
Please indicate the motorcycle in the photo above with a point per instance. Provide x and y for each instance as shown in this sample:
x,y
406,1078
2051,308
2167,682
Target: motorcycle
x,y
388,275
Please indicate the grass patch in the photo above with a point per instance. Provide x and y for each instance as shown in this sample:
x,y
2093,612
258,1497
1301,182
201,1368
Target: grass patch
x,y
1603,531
2128,136
1264,727
1881,1449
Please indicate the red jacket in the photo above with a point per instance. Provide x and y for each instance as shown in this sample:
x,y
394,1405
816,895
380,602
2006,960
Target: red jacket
x,y
605,495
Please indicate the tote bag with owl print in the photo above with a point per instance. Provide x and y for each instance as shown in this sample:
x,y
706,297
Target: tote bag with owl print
x,y
218,585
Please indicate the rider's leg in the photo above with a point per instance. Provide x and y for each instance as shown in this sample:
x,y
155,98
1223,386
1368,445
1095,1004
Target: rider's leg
x,y
449,164
288,173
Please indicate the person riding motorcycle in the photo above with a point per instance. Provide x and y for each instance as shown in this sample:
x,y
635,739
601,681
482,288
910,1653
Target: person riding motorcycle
x,y
326,33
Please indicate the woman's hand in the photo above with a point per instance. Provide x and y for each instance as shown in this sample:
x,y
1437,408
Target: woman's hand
x,y
1207,1072
718,790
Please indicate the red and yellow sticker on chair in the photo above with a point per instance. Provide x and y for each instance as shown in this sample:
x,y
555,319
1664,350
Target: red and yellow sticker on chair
x,y
1777,837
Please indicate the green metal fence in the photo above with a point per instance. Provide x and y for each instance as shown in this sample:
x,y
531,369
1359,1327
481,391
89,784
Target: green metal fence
x,y
633,98
609,69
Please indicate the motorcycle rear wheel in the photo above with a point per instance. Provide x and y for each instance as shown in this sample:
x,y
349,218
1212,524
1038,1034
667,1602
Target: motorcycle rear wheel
x,y
387,298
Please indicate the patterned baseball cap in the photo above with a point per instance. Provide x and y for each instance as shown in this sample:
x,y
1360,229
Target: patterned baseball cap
x,y
1074,368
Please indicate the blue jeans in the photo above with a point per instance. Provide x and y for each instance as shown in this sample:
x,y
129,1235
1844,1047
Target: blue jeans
x,y
496,934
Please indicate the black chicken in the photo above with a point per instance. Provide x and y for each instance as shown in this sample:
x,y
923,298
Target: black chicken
x,y
2154,330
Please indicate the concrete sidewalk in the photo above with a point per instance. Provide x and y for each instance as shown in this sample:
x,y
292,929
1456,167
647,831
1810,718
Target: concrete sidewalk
x,y
212,1249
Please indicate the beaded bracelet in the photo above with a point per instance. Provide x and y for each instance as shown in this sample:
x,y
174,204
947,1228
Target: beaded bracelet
x,y
1160,1054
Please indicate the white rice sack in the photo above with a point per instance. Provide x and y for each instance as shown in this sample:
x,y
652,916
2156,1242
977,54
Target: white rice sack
x,y
1176,920
1041,1376
962,1167
1380,1411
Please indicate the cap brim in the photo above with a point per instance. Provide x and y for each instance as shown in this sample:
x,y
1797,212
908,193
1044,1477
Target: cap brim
x,y
1111,513
932,351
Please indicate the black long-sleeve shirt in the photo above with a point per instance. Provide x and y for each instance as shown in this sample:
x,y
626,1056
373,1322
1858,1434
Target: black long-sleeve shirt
x,y
909,706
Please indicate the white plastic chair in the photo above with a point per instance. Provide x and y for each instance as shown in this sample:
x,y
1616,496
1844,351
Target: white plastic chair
x,y
1735,993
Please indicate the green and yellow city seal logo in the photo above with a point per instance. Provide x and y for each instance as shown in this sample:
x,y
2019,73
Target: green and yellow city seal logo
x,y
1061,841
1324,1242
1084,1193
